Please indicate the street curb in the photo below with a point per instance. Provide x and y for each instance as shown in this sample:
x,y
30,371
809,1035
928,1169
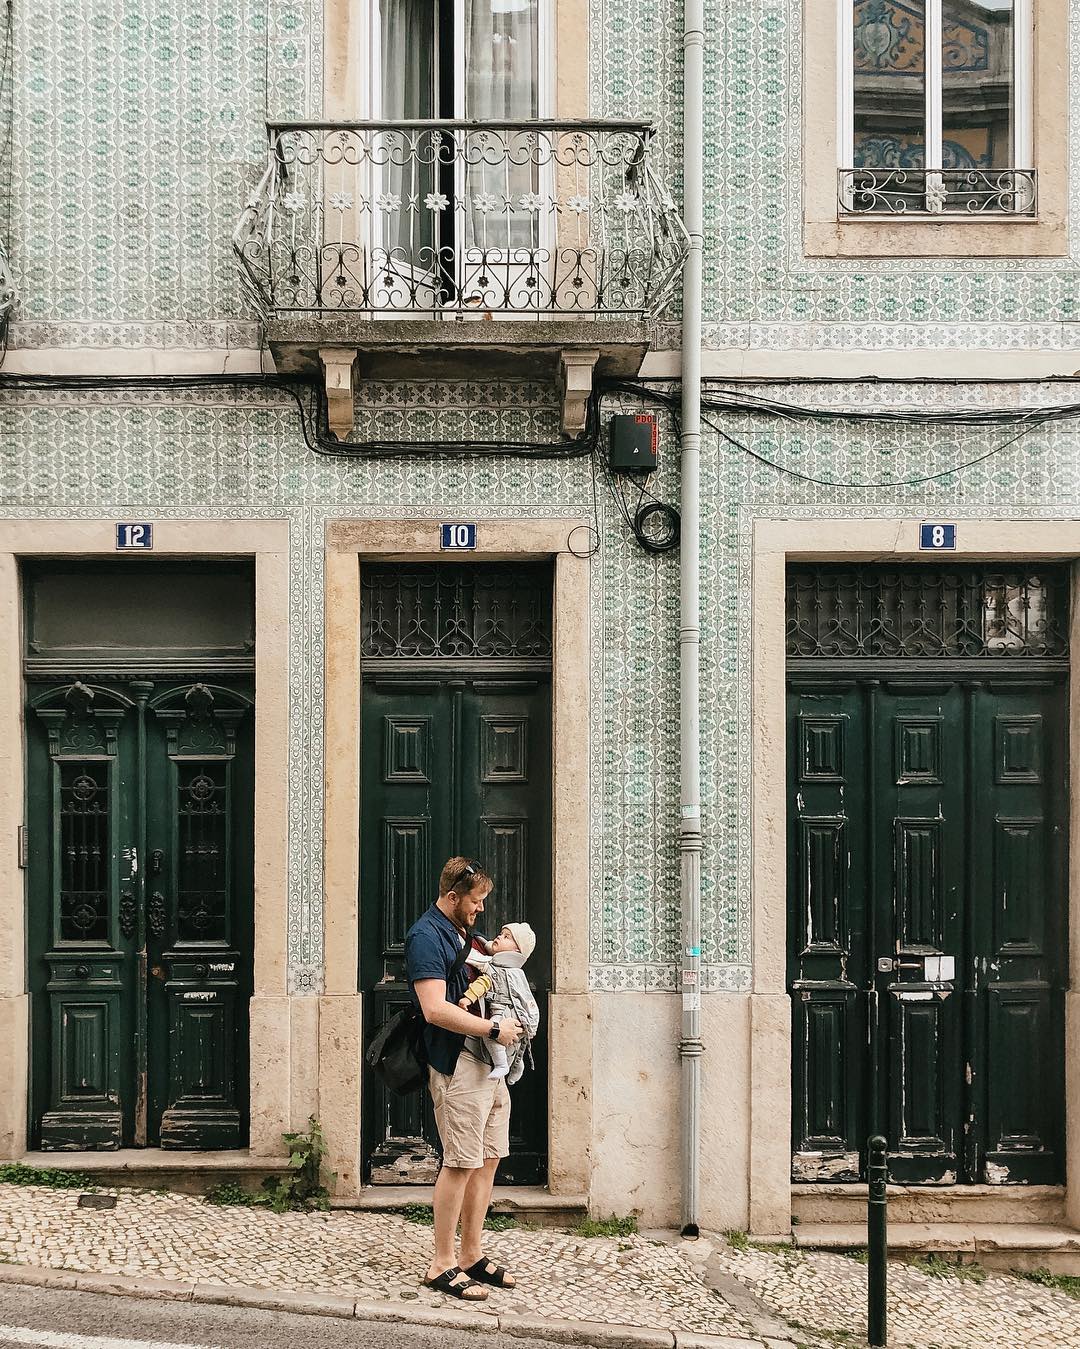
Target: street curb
x,y
601,1334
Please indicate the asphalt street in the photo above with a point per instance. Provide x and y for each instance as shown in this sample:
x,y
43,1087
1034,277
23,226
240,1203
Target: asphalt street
x,y
46,1319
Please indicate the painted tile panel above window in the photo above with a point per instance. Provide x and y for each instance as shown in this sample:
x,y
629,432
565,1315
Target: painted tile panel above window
x,y
944,128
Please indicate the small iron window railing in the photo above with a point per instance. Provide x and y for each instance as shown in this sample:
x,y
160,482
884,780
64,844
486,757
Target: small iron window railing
x,y
938,192
913,611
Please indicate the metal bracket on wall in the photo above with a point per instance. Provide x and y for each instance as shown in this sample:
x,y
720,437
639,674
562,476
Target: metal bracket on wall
x,y
338,363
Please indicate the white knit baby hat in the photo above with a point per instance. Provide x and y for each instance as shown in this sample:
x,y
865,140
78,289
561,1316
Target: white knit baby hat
x,y
525,937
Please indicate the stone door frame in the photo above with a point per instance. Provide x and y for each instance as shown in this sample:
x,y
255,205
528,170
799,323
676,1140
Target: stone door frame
x,y
267,543
867,539
568,1028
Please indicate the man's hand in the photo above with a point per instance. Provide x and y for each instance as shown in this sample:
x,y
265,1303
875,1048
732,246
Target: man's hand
x,y
510,1031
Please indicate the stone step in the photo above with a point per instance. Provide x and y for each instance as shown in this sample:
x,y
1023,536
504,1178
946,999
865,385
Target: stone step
x,y
1044,1204
530,1203
157,1169
1011,1245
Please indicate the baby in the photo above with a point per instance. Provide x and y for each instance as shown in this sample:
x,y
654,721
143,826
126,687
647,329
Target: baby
x,y
502,980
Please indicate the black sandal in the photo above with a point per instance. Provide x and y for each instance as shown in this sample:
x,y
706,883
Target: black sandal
x,y
496,1275
444,1283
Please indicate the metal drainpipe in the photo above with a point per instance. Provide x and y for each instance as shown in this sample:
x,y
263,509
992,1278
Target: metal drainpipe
x,y
690,1046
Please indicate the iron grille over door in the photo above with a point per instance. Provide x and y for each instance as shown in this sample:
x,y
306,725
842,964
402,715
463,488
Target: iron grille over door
x,y
447,611
916,612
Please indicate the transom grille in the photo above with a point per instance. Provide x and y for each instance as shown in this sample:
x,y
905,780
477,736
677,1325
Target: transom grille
x,y
432,611
913,611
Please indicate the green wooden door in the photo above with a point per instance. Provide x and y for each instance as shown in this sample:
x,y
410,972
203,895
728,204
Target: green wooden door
x,y
452,765
140,910
927,900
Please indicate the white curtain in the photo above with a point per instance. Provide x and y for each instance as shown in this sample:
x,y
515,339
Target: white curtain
x,y
408,92
502,52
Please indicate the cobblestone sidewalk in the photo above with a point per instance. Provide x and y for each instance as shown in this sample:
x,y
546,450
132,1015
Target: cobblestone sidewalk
x,y
627,1281
707,1286
822,1298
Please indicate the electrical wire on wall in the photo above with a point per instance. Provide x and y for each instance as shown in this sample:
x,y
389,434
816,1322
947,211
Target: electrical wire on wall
x,y
309,397
652,522
1028,419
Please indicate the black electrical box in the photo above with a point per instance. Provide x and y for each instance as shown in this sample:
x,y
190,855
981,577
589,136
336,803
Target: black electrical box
x,y
633,443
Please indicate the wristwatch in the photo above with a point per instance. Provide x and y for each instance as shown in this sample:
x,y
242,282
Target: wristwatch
x,y
495,1031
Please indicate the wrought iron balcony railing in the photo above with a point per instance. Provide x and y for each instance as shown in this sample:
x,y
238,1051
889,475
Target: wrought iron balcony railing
x,y
7,286
937,192
434,218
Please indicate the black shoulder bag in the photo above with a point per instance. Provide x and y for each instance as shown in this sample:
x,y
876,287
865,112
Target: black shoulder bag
x,y
396,1050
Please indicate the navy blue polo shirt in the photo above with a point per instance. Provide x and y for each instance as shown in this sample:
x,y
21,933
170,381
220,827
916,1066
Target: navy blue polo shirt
x,y
431,947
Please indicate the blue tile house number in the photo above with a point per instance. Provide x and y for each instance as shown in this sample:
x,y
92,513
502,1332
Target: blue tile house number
x,y
459,536
937,538
134,536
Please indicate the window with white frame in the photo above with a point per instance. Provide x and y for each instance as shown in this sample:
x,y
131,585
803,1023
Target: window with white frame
x,y
480,68
935,108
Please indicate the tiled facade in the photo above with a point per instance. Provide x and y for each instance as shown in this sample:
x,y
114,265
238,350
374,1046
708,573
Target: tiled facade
x,y
137,134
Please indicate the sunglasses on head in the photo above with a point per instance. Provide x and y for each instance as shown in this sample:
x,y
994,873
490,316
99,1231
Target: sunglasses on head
x,y
469,869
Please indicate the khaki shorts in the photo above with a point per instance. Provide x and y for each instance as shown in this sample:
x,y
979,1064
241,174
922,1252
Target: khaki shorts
x,y
472,1111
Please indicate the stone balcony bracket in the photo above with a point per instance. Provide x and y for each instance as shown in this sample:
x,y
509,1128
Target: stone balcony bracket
x,y
338,364
568,354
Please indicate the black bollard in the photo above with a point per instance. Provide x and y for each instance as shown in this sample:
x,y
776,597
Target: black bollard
x,y
877,1243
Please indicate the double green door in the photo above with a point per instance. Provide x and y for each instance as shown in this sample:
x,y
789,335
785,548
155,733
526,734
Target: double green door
x,y
452,764
927,921
140,900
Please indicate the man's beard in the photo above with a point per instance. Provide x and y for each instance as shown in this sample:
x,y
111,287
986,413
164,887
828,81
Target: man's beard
x,y
462,918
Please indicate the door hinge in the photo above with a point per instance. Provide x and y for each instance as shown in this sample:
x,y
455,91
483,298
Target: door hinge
x,y
23,847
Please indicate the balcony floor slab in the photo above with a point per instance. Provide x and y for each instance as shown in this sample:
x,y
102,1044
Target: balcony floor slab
x,y
426,348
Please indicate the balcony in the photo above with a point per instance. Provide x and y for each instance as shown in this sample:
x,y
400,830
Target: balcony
x,y
424,248
7,287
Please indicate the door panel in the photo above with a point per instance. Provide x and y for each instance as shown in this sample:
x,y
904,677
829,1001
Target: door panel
x,y
451,766
918,796
827,947
927,927
407,800
135,950
1019,929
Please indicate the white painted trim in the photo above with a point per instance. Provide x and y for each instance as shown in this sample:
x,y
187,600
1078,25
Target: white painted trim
x,y
848,364
845,65
932,136
1024,84
137,361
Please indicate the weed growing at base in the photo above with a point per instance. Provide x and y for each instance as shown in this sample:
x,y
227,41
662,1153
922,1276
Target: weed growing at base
x,y
606,1227
300,1188
15,1173
1064,1283
425,1216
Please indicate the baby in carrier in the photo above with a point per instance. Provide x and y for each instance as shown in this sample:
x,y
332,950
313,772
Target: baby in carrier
x,y
499,977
